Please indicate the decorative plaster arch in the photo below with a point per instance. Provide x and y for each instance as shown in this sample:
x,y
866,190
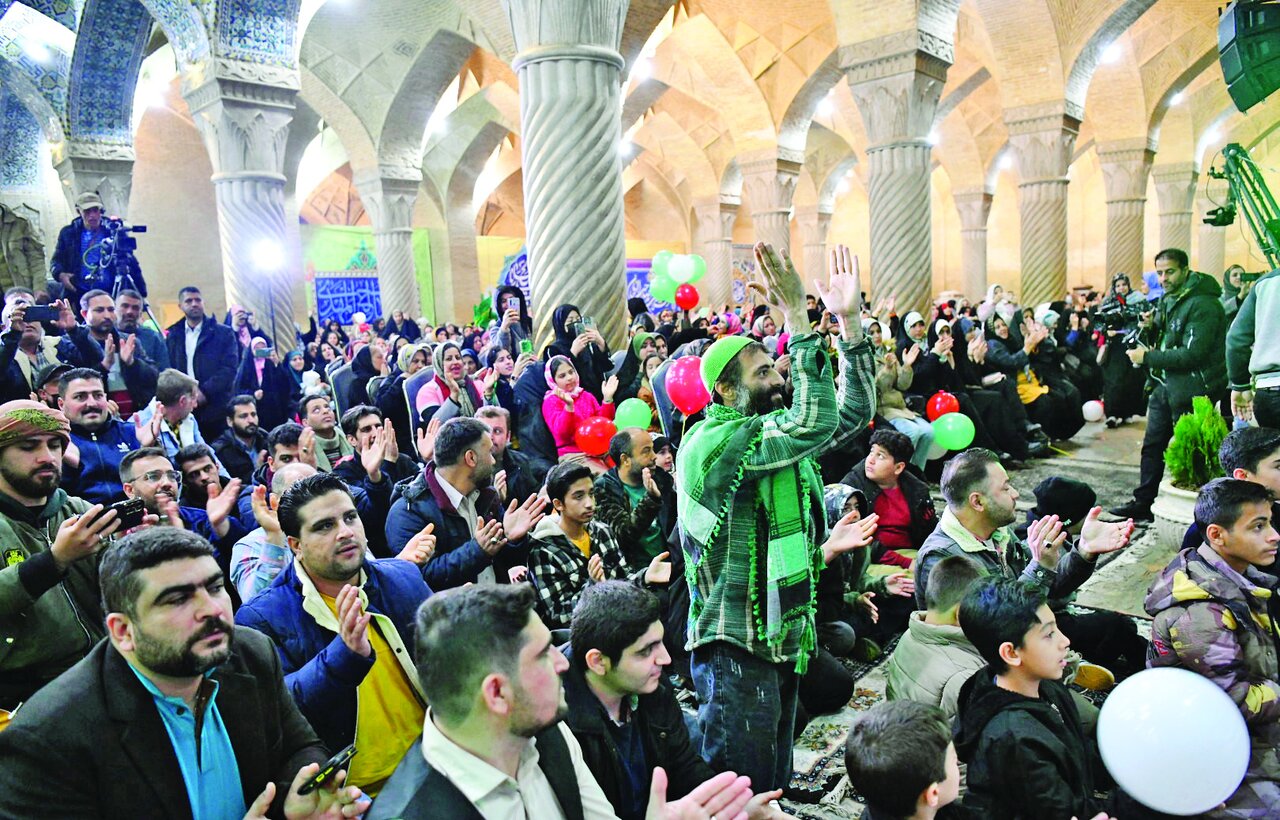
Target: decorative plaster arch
x,y
433,69
339,117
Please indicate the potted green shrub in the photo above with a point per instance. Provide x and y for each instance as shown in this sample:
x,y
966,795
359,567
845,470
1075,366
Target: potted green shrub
x,y
1191,461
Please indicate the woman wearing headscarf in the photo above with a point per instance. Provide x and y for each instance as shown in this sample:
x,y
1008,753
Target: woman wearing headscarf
x,y
993,396
260,377
369,361
630,379
567,404
450,383
893,379
1233,291
1122,383
390,397
508,369
586,350
1046,407
295,365
399,325
515,323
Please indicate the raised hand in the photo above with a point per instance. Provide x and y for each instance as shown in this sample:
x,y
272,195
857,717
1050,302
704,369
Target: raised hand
x,y
843,292
489,536
650,484
910,355
900,584
1099,537
659,571
427,440
307,446
265,505
149,433
128,345
353,621
372,456
420,547
849,534
609,389
519,520
781,286
70,453
488,381
522,361
109,353
66,316
595,568
222,500
172,517
393,446
500,484
1045,538
16,323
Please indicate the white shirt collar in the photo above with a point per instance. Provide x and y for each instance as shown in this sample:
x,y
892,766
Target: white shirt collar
x,y
455,497
474,777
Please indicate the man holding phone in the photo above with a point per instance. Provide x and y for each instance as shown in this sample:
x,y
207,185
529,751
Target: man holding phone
x,y
25,346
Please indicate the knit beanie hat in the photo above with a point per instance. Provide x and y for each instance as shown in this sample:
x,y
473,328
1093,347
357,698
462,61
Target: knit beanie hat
x,y
718,356
1067,498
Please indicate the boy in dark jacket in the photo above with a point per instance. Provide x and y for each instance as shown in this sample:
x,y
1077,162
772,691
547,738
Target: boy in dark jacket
x,y
907,514
622,712
1018,728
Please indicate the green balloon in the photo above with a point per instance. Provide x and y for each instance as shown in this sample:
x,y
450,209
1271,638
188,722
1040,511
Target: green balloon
x,y
953,431
659,266
662,288
633,413
699,268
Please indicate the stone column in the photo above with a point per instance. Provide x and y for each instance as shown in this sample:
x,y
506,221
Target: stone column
x,y
974,206
570,76
243,114
714,240
1043,137
769,182
813,222
897,93
389,201
107,169
1176,191
1211,256
1125,166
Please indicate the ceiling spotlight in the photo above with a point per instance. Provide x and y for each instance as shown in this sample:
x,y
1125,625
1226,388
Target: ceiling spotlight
x,y
642,70
1111,53
826,107
933,138
1005,163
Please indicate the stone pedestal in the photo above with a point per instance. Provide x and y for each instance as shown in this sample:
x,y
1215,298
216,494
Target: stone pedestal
x,y
1125,166
107,169
570,76
1176,192
243,114
814,223
713,238
1043,138
897,94
769,183
974,206
389,202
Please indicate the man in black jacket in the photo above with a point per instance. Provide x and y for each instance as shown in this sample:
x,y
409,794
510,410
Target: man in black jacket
x,y
1187,357
208,352
242,447
907,520
624,715
121,728
524,474
636,499
79,250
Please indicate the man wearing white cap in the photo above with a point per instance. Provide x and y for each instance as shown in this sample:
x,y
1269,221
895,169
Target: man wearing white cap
x,y
78,255
751,516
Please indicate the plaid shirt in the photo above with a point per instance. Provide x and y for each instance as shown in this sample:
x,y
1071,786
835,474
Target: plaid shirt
x,y
559,569
820,419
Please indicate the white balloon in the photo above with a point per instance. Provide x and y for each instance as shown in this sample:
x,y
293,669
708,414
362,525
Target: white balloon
x,y
1093,411
1174,741
358,318
936,450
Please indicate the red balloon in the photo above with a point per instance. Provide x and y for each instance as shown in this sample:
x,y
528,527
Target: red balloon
x,y
940,404
684,385
594,434
686,297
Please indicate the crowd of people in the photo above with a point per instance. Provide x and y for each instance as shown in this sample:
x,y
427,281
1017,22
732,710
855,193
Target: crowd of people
x,y
228,557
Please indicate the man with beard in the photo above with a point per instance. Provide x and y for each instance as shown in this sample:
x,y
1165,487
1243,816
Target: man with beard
x,y
75,264
493,742
129,308
752,517
340,621
179,714
50,614
477,541
242,447
148,474
99,440
208,352
131,379
199,471
25,347
519,474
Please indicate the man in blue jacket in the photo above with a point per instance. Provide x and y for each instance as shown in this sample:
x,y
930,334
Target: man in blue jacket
x,y
477,541
99,440
343,624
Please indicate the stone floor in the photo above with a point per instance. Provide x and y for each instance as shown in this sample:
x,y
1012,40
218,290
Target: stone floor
x,y
1108,461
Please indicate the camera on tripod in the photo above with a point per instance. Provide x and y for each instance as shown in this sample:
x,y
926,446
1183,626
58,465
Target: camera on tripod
x,y
118,267
118,241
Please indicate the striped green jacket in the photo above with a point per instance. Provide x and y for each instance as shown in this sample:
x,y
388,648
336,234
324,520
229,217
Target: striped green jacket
x,y
820,418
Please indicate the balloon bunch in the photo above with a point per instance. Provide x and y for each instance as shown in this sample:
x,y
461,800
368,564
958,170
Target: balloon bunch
x,y
952,429
672,276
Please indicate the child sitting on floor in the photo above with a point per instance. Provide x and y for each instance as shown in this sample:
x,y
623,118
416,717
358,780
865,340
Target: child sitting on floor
x,y
900,758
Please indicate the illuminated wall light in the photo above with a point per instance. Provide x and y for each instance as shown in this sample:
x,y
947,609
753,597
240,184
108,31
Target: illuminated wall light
x,y
1005,163
826,107
1177,98
1111,53
933,138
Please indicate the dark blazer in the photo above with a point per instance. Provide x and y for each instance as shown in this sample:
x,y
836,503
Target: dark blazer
x,y
92,746
217,357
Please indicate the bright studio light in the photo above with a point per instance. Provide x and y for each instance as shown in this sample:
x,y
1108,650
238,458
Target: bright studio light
x,y
1111,53
268,255
1006,162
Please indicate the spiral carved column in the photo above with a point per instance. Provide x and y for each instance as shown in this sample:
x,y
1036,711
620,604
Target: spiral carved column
x,y
1125,166
389,202
1043,138
714,239
570,75
243,115
1176,191
901,235
974,208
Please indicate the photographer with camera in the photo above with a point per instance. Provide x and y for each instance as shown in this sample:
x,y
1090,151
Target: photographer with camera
x,y
82,262
1186,357
1118,318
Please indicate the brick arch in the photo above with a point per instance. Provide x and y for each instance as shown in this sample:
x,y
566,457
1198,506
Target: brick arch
x,y
661,135
436,65
109,50
339,117
1024,43
1086,62
799,114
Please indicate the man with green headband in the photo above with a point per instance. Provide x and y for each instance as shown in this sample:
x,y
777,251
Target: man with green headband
x,y
752,518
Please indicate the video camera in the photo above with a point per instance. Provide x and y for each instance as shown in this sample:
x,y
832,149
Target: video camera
x,y
118,240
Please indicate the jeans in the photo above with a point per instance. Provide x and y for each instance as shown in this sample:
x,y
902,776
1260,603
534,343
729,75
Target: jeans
x,y
1266,407
1160,419
747,710
921,434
